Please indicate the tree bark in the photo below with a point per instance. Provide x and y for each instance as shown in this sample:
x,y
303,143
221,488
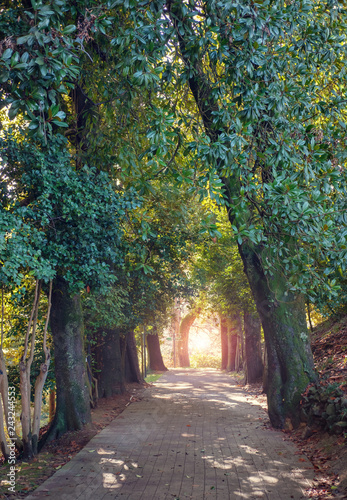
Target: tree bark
x,y
175,328
156,362
254,363
224,341
233,326
132,367
51,404
265,372
108,359
290,361
24,376
183,338
41,379
72,402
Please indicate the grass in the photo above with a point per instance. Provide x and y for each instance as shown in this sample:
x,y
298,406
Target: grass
x,y
152,377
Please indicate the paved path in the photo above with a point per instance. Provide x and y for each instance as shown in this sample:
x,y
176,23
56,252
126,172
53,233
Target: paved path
x,y
192,436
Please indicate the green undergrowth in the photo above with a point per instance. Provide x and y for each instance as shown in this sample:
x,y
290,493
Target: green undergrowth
x,y
152,377
204,360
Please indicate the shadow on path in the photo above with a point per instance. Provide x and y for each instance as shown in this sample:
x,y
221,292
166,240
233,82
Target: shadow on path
x,y
192,436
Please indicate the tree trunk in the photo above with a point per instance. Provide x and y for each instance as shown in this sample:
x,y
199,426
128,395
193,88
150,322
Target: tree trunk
x,y
309,315
156,362
265,372
3,439
175,328
108,359
233,327
254,363
231,353
41,379
132,367
51,404
224,341
290,361
72,404
182,343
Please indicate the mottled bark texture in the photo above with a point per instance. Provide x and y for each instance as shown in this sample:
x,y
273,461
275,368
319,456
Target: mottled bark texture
x,y
108,362
156,362
290,361
72,402
183,339
253,355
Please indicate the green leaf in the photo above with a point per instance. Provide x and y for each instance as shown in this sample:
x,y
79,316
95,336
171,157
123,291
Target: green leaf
x,y
4,74
7,54
69,29
23,39
60,124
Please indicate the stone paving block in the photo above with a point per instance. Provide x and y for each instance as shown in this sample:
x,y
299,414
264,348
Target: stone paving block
x,y
195,436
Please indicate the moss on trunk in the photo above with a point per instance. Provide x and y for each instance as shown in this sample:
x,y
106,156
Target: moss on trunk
x,y
72,404
290,361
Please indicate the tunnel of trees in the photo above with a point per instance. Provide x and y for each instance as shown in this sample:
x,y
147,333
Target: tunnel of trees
x,y
163,151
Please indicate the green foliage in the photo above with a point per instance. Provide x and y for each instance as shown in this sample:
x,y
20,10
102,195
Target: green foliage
x,y
219,270
273,77
204,360
38,60
76,214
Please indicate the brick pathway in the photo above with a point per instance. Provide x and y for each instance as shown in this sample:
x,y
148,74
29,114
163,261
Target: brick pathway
x,y
192,436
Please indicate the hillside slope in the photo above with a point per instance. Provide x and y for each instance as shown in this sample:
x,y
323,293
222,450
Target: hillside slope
x,y
324,436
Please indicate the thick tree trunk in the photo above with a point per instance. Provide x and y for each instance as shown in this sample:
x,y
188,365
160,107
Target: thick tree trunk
x,y
224,341
132,367
232,340
183,338
290,361
72,404
156,362
108,359
254,363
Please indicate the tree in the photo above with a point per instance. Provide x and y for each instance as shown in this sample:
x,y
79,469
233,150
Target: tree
x,y
218,266
156,362
183,337
234,60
